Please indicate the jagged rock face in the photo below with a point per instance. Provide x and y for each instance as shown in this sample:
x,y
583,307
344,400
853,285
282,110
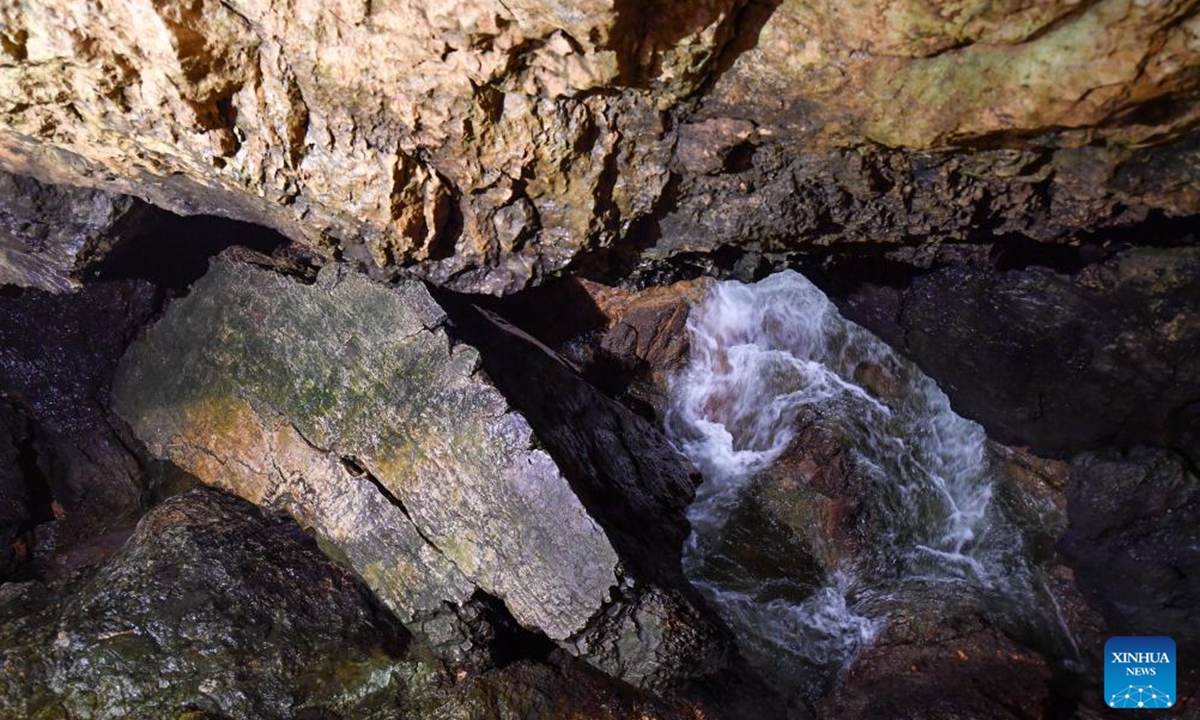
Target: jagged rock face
x,y
657,632
213,611
413,132
48,232
489,145
907,73
344,403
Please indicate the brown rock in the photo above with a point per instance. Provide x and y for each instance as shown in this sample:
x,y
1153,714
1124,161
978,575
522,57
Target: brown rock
x,y
926,74
491,145
649,325
959,670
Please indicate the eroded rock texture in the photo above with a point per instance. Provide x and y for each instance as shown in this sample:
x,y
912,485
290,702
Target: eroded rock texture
x,y
75,471
48,233
1134,529
657,632
492,144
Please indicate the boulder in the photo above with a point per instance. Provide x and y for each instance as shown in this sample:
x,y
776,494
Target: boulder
x,y
658,631
344,403
212,610
960,668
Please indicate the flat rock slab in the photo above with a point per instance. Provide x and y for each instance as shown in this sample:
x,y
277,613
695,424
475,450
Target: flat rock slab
x,y
344,403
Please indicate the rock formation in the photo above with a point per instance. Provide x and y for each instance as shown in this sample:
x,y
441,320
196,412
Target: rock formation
x,y
345,403
1133,526
458,247
213,611
492,145
75,472
1059,362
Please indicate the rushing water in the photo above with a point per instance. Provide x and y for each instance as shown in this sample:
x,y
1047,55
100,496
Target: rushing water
x,y
767,357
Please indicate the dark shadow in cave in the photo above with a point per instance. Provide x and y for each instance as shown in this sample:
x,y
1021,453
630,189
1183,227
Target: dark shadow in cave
x,y
173,250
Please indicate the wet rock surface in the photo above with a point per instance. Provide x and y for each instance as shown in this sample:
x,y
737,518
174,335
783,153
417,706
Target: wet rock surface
x,y
624,342
346,404
658,632
961,669
76,462
1134,519
623,469
214,610
1007,193
1058,362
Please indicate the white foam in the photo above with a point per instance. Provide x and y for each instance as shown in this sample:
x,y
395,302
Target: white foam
x,y
761,355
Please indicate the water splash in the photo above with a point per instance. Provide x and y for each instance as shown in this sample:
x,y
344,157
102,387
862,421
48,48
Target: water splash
x,y
767,357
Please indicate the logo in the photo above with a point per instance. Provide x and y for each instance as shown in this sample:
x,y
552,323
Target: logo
x,y
1139,672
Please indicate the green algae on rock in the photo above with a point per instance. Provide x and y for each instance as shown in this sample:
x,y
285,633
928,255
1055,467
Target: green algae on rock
x,y
345,404
210,608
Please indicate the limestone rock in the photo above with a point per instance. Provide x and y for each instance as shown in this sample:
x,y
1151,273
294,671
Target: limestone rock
x,y
403,130
646,334
623,469
926,74
344,403
786,201
491,145
205,589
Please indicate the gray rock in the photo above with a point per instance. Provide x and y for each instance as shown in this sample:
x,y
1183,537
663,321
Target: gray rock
x,y
1133,538
1061,363
48,232
344,403
210,608
214,612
